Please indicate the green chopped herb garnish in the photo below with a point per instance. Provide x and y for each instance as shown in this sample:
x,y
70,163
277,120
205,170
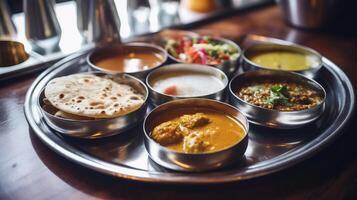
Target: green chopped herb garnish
x,y
213,53
278,95
280,89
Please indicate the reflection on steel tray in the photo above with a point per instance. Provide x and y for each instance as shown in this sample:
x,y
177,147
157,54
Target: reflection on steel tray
x,y
269,150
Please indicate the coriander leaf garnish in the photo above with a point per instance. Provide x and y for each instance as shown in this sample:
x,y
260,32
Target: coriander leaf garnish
x,y
278,95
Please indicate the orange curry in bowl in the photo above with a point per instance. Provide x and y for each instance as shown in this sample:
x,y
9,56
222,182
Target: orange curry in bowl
x,y
197,131
130,62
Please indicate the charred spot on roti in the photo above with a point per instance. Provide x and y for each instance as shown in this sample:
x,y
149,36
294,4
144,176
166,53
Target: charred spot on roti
x,y
100,107
134,98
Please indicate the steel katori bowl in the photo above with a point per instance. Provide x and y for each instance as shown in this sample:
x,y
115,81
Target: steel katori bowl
x,y
118,48
194,162
274,118
12,53
309,14
157,97
229,67
98,128
249,65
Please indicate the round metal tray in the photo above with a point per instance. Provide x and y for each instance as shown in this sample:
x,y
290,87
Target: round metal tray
x,y
268,150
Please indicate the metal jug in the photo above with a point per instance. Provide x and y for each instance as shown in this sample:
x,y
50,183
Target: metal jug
x,y
104,22
7,27
41,24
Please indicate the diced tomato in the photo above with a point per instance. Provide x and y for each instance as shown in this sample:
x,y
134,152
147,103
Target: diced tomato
x,y
224,56
203,41
187,44
172,90
191,51
196,58
214,62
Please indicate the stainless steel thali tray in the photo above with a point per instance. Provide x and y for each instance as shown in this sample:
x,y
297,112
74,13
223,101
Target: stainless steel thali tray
x,y
269,150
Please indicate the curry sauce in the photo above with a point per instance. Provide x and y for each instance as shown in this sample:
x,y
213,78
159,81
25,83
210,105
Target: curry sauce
x,y
284,60
130,62
197,131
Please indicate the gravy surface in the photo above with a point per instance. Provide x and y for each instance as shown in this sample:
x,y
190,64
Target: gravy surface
x,y
284,60
130,62
202,130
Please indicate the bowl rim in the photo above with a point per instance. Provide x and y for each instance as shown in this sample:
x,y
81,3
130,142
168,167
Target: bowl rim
x,y
146,96
163,52
244,125
294,47
147,81
297,75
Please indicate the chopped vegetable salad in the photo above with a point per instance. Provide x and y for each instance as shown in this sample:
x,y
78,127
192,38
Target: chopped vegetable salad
x,y
201,50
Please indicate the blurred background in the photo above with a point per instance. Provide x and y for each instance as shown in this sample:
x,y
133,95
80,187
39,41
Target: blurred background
x,y
342,21
51,30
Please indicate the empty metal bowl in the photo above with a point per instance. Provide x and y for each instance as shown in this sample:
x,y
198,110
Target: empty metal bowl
x,y
248,65
99,128
274,118
157,97
117,49
12,53
308,14
228,67
194,161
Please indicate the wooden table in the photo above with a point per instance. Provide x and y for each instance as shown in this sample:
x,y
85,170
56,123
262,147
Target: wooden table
x,y
30,170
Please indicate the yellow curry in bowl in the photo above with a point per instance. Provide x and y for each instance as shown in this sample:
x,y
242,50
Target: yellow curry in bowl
x,y
197,131
284,60
282,57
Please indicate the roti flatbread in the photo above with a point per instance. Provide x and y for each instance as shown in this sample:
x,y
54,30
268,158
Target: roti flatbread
x,y
92,96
